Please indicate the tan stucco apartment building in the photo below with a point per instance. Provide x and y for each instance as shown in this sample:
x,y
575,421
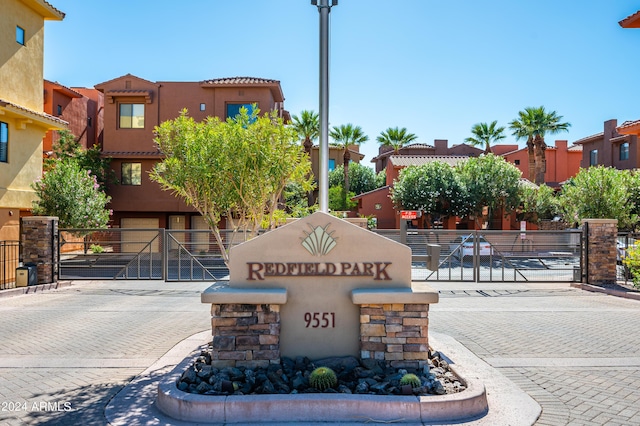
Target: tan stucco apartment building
x,y
23,122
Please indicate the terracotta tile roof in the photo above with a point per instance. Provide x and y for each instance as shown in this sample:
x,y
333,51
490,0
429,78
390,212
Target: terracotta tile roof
x,y
27,111
631,21
629,123
382,188
575,148
61,13
128,75
67,90
240,80
388,153
589,138
419,160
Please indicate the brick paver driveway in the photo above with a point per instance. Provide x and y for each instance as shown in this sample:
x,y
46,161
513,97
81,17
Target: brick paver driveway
x,y
576,353
65,353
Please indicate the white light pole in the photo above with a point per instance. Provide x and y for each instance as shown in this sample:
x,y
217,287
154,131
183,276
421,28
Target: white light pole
x,y
324,8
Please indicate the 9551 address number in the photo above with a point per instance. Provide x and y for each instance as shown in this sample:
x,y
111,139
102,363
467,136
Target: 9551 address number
x,y
320,319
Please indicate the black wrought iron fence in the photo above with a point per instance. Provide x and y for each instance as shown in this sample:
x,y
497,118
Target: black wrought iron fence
x,y
9,261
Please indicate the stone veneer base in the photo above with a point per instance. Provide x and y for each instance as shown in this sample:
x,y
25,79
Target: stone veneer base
x,y
322,408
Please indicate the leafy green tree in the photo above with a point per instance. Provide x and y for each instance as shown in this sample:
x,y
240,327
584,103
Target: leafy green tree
x,y
485,134
89,159
381,179
490,182
533,124
235,168
601,193
540,203
338,201
435,188
361,178
295,200
72,194
345,136
396,138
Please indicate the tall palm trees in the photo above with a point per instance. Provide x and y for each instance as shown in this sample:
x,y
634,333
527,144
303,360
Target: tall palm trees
x,y
485,134
308,128
396,138
343,137
533,124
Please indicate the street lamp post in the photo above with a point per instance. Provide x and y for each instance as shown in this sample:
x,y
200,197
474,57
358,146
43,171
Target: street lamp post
x,y
324,8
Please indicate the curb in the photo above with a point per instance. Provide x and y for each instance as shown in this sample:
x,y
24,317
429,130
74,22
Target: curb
x,y
137,404
17,291
609,291
309,408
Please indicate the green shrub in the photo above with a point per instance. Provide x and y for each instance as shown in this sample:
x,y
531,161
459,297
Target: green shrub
x,y
323,378
95,248
632,262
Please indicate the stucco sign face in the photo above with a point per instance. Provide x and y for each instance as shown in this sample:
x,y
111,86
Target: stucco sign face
x,y
319,260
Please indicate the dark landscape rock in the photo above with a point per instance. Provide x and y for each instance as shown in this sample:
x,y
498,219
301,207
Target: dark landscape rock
x,y
292,376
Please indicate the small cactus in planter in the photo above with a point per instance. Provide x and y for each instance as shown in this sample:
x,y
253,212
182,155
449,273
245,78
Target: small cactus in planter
x,y
323,378
411,380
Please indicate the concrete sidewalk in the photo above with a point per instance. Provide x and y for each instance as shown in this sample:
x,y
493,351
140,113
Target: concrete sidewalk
x,y
67,353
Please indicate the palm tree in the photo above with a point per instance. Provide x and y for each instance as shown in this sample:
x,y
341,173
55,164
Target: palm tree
x,y
308,128
343,137
485,134
533,124
396,138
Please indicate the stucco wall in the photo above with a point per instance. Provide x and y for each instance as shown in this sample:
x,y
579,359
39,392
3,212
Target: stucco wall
x,y
17,86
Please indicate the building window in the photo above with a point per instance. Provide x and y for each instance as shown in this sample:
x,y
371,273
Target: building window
x,y
332,164
516,162
131,174
4,141
203,107
132,116
624,151
593,157
20,35
59,110
234,109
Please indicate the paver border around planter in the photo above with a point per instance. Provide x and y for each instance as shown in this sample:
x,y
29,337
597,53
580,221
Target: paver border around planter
x,y
468,404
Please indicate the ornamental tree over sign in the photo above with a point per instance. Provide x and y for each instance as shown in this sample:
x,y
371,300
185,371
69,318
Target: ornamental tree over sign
x,y
73,195
236,168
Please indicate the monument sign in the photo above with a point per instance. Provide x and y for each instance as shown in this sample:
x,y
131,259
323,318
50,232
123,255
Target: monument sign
x,y
319,271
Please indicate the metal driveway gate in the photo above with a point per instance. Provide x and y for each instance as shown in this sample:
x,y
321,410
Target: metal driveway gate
x,y
139,254
508,256
116,253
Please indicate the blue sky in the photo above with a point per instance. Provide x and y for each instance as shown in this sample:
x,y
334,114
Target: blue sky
x,y
434,67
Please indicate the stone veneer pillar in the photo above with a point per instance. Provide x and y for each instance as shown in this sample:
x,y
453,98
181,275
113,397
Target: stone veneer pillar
x,y
396,333
600,241
39,238
245,335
